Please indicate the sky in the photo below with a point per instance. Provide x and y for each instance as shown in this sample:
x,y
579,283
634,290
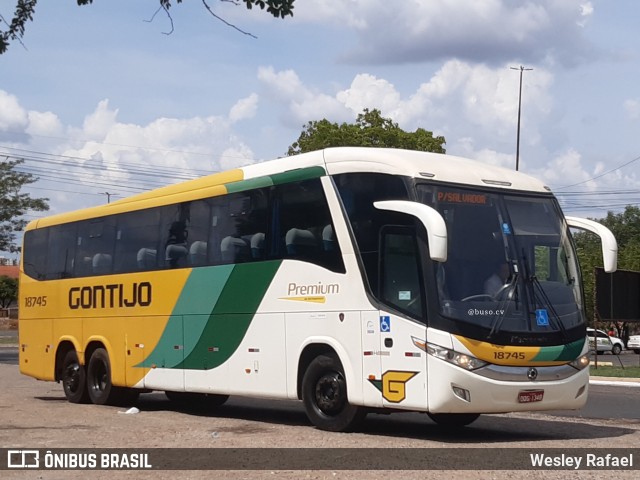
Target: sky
x,y
103,103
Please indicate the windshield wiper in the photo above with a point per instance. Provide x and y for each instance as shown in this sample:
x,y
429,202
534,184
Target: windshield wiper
x,y
534,285
509,289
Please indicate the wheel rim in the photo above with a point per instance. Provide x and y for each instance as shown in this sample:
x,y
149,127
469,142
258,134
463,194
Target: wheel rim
x,y
72,378
329,393
100,378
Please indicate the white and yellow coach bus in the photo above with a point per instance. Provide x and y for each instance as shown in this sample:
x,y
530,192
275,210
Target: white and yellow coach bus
x,y
354,279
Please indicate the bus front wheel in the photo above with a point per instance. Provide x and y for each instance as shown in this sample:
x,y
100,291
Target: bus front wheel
x,y
453,419
74,379
324,394
101,390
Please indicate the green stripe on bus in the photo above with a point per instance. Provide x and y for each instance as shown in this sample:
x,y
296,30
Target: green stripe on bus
x,y
249,184
298,175
199,295
276,179
231,316
559,353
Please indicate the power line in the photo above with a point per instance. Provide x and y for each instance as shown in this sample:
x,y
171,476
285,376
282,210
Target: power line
x,y
601,175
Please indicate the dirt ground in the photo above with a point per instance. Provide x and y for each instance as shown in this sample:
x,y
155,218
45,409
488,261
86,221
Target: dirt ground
x,y
35,414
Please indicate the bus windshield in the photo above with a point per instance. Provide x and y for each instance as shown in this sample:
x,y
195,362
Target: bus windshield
x,y
511,266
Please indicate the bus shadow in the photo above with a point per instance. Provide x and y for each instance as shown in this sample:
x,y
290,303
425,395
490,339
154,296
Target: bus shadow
x,y
284,413
61,398
487,429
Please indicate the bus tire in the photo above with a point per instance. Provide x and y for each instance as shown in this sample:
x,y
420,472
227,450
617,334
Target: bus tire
x,y
74,379
453,419
101,390
324,394
211,400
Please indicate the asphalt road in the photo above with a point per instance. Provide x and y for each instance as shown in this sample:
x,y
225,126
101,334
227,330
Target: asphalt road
x,y
626,359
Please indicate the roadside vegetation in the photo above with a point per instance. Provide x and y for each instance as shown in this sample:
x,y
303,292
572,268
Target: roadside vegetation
x,y
615,371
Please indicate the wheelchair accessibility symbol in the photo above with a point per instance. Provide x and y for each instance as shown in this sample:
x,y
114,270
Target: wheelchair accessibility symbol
x,y
385,324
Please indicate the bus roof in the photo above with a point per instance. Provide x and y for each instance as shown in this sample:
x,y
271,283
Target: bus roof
x,y
427,165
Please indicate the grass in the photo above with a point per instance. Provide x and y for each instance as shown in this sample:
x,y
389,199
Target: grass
x,y
615,371
8,340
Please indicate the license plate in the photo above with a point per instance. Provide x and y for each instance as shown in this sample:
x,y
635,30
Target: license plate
x,y
529,396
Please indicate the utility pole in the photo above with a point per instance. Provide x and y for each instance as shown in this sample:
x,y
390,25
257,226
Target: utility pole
x,y
522,69
108,195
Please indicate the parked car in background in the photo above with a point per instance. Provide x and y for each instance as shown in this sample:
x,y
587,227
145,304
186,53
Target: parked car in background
x,y
605,343
634,343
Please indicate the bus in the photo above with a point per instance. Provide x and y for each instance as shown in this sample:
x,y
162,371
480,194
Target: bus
x,y
353,279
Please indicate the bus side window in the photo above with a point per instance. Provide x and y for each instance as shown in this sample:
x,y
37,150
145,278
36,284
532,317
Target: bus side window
x,y
198,226
400,283
35,253
61,251
137,241
302,227
240,222
95,246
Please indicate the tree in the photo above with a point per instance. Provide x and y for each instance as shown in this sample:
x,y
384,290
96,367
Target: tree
x,y
370,130
8,291
13,204
26,8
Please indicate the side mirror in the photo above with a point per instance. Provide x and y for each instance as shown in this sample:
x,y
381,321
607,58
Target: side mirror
x,y
609,243
430,218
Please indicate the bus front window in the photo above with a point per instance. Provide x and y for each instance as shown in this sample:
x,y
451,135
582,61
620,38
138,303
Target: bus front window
x,y
511,266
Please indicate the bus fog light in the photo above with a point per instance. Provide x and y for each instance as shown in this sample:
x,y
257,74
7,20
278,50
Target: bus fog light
x,y
461,393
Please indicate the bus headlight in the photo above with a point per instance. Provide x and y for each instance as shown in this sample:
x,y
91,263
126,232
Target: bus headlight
x,y
580,362
459,359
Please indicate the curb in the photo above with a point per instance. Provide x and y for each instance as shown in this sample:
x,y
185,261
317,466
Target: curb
x,y
615,381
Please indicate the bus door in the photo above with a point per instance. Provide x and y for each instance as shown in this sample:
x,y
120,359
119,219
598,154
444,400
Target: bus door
x,y
401,287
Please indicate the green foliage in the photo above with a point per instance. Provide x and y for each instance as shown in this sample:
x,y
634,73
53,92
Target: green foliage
x,y
8,290
370,130
25,9
13,204
615,371
625,227
23,13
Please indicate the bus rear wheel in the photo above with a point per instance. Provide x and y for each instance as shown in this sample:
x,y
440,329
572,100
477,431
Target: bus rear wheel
x,y
324,394
101,390
74,379
453,419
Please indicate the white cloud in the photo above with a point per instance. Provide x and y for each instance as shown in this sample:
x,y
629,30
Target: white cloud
x,y
466,147
45,124
244,108
366,91
100,121
12,116
105,154
491,31
181,144
283,85
632,107
458,100
586,10
566,169
302,103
